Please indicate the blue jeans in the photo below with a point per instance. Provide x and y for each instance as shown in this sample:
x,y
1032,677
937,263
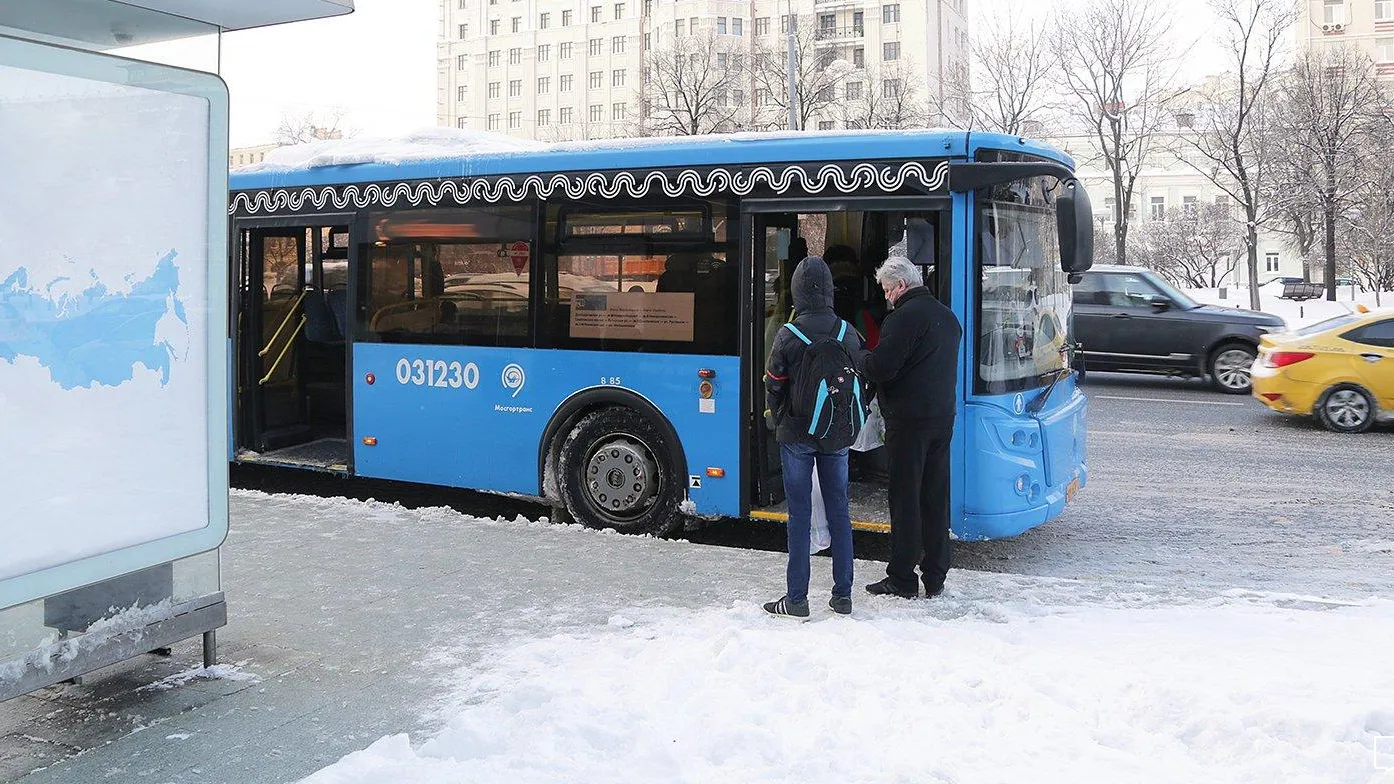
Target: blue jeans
x,y
799,461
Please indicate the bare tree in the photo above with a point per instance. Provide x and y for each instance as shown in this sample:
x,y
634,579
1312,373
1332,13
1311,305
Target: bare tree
x,y
312,126
696,85
1332,107
889,98
1192,245
1010,82
1114,61
1366,237
1232,137
818,70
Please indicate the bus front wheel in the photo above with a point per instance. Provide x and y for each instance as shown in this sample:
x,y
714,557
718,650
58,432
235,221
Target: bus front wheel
x,y
617,472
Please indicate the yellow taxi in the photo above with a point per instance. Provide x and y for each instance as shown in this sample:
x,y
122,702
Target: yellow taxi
x,y
1340,370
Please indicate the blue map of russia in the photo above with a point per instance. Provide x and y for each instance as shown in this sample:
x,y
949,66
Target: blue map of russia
x,y
94,337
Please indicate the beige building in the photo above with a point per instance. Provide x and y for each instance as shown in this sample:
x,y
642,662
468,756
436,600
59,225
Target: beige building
x,y
245,156
573,69
1367,25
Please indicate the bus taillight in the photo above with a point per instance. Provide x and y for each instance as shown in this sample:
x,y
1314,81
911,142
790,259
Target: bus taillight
x,y
370,441
706,373
371,379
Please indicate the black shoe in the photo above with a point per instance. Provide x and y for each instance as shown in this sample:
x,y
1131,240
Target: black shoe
x,y
786,607
931,591
887,588
842,605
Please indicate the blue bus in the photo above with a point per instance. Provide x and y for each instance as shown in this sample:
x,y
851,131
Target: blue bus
x,y
588,323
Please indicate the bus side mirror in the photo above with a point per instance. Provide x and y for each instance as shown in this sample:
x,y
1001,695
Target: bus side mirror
x,y
1074,219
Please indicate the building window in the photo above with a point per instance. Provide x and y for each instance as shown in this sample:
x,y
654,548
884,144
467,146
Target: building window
x,y
460,93
544,85
738,26
1222,200
565,115
464,32
494,122
619,10
595,13
825,125
461,61
617,78
493,27
854,91
596,77
1158,208
1190,206
827,25
544,20
515,120
738,97
721,25
721,60
460,123
566,83
859,57
617,111
648,7
1270,262
680,28
515,55
617,45
544,53
517,24
565,18
890,50
692,24
494,59
564,50
762,25
1384,10
494,88
783,23
1384,50
890,14
515,88
1333,12
597,113
762,97
594,45
544,116
890,88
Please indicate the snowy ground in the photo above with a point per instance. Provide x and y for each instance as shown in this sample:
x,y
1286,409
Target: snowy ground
x,y
1296,314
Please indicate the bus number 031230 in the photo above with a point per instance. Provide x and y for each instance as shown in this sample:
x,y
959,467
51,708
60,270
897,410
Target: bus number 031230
x,y
437,373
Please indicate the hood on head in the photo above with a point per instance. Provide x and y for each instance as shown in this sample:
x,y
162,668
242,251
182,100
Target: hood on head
x,y
812,285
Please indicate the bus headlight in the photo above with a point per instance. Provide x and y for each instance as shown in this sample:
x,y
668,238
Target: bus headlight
x,y
1022,483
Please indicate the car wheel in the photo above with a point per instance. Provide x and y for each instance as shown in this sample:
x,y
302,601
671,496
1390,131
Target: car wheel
x,y
1346,409
1230,366
616,471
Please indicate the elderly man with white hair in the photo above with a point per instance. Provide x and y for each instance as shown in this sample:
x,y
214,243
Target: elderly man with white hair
x,y
915,370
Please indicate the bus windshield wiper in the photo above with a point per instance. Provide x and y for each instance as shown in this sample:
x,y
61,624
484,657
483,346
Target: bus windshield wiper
x,y
1040,401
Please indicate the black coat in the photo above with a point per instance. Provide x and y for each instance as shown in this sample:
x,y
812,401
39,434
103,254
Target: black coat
x,y
915,365
812,288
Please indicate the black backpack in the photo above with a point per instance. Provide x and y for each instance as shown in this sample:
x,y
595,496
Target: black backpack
x,y
828,393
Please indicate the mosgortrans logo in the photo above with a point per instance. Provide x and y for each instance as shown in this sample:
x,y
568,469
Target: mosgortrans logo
x,y
514,378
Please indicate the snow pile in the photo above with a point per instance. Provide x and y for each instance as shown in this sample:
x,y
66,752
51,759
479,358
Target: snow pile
x,y
218,672
1232,690
1296,314
423,145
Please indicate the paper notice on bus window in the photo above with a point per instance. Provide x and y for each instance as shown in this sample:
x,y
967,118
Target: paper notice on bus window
x,y
632,316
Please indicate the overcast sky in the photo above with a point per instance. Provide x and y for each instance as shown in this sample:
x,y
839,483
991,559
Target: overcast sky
x,y
378,65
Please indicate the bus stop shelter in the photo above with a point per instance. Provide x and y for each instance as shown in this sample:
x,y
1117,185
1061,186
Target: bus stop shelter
x,y
114,399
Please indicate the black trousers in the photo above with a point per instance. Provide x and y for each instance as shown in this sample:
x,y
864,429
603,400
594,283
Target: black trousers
x,y
919,500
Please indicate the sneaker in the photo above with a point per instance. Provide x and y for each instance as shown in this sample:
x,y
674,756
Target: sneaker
x,y
786,607
887,588
842,605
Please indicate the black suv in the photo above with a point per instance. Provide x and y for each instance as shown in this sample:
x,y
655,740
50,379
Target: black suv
x,y
1129,319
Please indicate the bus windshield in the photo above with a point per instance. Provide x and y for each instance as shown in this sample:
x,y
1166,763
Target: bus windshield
x,y
1024,296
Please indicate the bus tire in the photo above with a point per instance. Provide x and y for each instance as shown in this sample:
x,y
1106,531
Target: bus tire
x,y
616,470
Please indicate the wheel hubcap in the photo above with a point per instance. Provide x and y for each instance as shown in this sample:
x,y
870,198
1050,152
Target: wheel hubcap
x,y
1347,408
1232,368
621,477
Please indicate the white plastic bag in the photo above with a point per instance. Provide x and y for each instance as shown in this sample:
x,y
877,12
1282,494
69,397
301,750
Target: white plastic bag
x,y
873,433
818,536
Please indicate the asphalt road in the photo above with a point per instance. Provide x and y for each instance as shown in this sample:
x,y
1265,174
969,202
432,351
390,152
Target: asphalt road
x,y
1190,490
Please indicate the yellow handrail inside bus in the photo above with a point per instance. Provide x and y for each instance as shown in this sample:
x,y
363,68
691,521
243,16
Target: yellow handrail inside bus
x,y
284,322
289,342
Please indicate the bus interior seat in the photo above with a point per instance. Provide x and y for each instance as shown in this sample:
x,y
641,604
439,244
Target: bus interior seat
x,y
319,320
337,300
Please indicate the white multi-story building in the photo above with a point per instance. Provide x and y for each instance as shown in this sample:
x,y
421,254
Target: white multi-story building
x,y
574,69
1367,25
1167,181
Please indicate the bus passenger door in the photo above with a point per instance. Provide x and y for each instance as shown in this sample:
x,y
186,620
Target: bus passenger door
x,y
270,390
774,237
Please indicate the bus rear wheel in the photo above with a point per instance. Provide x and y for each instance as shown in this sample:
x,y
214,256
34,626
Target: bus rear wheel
x,y
616,471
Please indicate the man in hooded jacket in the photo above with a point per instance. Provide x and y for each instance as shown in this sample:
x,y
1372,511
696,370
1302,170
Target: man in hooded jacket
x,y
812,289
